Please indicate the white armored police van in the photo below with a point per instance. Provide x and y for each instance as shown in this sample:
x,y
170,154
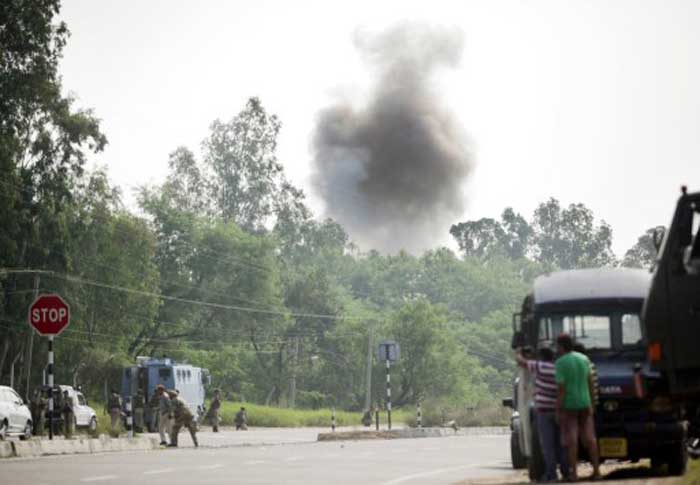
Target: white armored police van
x,y
149,372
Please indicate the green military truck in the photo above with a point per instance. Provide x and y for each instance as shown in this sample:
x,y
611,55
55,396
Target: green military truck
x,y
671,316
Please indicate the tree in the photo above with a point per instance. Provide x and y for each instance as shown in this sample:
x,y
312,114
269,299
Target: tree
x,y
643,253
487,238
568,238
246,173
43,141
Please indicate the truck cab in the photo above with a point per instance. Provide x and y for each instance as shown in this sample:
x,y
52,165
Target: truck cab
x,y
601,309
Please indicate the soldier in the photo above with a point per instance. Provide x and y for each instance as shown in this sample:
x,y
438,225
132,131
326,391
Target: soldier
x,y
164,414
115,412
153,410
68,415
241,420
42,406
214,409
182,417
139,403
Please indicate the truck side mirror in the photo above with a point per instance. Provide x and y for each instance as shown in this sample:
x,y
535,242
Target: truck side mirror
x,y
518,340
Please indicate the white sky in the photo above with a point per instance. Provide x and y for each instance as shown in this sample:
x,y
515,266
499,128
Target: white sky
x,y
587,101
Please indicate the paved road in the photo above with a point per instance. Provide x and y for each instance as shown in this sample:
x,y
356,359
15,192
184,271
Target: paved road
x,y
409,461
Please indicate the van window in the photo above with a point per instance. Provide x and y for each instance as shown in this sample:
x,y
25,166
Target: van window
x,y
164,373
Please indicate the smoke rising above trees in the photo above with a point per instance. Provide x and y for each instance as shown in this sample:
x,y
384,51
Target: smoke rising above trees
x,y
391,169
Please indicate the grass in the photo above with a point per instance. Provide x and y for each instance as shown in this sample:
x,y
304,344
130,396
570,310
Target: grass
x,y
435,414
692,476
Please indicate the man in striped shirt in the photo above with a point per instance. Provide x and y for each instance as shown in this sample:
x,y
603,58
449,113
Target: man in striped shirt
x,y
543,373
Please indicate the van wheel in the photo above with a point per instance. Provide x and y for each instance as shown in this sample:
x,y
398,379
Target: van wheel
x,y
3,430
535,465
516,455
27,433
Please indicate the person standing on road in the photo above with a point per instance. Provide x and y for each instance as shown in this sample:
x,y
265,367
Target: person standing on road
x,y
164,414
575,404
139,404
153,405
182,417
115,412
241,420
542,371
214,410
68,416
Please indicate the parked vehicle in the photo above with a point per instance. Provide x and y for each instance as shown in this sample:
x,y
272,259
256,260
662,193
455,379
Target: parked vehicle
x,y
148,373
601,309
15,417
85,416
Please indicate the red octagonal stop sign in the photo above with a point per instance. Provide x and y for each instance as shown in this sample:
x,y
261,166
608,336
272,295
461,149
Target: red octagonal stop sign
x,y
49,315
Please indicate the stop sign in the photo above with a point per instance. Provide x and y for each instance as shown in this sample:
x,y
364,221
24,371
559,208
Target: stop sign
x,y
49,315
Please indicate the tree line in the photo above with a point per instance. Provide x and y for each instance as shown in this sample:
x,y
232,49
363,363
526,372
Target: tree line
x,y
225,266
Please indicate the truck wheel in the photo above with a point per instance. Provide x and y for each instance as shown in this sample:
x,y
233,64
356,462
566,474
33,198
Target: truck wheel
x,y
678,459
535,465
516,456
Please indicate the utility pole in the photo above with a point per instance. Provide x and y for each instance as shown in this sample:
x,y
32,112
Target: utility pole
x,y
30,343
293,378
368,394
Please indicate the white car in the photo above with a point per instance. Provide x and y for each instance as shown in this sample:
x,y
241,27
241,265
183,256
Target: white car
x,y
15,417
85,416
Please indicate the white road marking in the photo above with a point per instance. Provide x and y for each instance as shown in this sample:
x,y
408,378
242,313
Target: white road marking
x,y
415,476
209,467
294,458
254,462
99,478
430,448
159,471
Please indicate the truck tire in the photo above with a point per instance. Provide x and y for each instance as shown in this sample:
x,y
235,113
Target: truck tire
x,y
516,455
535,465
677,459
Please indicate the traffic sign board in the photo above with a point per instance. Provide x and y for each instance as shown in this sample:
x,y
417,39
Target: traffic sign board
x,y
388,350
49,315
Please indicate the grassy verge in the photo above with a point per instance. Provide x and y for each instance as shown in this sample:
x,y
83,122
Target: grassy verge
x,y
692,477
272,417
435,414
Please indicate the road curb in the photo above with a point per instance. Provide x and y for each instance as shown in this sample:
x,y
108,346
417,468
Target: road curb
x,y
409,433
80,446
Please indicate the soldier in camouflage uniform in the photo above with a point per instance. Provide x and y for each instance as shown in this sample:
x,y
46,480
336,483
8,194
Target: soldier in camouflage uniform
x,y
68,415
214,410
182,416
139,405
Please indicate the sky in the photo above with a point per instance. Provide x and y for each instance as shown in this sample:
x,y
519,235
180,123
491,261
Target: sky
x,y
585,101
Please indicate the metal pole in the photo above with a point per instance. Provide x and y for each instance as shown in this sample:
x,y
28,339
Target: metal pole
x,y
333,419
30,344
419,416
129,418
388,388
50,387
368,393
376,416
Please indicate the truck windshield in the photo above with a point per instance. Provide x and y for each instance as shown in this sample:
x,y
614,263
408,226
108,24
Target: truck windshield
x,y
594,331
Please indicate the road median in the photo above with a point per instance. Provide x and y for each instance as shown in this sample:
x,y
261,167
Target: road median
x,y
409,433
35,448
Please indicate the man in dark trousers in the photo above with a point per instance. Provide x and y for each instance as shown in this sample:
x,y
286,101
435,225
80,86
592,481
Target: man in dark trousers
x,y
542,373
68,415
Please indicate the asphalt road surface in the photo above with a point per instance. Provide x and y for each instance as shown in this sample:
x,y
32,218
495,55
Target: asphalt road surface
x,y
392,462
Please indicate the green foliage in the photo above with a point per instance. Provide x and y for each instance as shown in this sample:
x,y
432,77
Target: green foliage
x,y
643,253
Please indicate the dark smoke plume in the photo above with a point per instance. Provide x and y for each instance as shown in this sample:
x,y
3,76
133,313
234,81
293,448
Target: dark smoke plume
x,y
391,169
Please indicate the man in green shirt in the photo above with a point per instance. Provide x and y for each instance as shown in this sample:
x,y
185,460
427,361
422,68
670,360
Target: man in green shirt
x,y
575,404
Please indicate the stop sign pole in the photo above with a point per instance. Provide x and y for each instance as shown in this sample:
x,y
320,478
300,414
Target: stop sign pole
x,y
49,315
